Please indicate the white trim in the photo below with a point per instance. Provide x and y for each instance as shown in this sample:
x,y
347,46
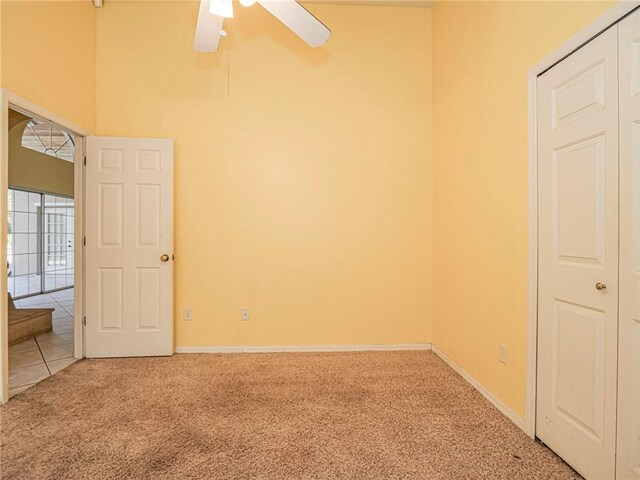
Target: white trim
x,y
26,106
495,401
307,348
4,185
609,18
11,100
532,263
78,252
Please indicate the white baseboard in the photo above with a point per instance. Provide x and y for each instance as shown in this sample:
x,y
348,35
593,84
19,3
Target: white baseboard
x,y
306,348
510,414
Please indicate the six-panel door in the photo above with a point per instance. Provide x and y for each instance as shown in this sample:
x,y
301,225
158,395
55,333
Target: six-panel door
x,y
578,257
129,247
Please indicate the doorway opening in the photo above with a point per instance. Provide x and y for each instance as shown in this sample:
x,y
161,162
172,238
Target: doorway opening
x,y
40,250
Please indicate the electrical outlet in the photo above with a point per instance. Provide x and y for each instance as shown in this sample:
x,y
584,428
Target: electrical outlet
x,y
186,314
244,314
503,353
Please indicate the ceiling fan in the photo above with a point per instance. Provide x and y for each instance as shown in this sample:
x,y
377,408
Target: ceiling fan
x,y
213,13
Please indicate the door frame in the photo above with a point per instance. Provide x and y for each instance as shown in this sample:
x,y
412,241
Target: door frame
x,y
602,23
10,100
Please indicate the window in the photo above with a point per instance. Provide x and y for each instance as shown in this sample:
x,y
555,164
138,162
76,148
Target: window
x,y
58,244
55,239
22,242
48,139
40,242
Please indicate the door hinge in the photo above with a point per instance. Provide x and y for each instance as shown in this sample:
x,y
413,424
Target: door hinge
x,y
84,241
84,321
85,160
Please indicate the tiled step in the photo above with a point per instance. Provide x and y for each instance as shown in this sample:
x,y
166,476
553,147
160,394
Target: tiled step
x,y
29,323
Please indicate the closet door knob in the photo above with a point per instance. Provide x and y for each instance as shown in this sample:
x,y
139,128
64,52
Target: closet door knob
x,y
164,258
601,286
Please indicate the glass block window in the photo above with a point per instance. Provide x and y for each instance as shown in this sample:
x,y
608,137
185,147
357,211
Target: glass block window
x,y
58,242
55,239
22,242
40,242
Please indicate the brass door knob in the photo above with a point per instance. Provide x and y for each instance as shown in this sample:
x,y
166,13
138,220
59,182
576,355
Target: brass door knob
x,y
164,258
601,286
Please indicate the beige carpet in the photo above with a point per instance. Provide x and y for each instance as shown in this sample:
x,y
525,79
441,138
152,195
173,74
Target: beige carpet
x,y
397,415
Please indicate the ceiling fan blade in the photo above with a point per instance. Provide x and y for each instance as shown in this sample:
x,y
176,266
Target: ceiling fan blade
x,y
207,30
299,20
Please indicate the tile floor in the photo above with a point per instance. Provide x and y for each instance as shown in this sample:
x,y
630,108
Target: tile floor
x,y
37,358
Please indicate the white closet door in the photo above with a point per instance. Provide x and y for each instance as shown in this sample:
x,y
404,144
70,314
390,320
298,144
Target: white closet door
x,y
629,353
578,254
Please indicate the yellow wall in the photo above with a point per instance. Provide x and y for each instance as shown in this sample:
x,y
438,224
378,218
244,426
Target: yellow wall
x,y
48,55
482,51
302,176
31,170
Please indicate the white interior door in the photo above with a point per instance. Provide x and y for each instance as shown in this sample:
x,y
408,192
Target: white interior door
x,y
578,255
129,247
629,346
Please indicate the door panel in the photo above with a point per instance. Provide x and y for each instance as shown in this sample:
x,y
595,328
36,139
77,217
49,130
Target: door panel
x,y
577,175
129,294
579,96
110,293
578,387
629,353
110,215
578,248
150,295
148,210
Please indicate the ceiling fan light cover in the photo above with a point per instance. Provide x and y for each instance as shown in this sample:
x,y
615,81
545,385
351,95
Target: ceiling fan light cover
x,y
207,37
221,8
